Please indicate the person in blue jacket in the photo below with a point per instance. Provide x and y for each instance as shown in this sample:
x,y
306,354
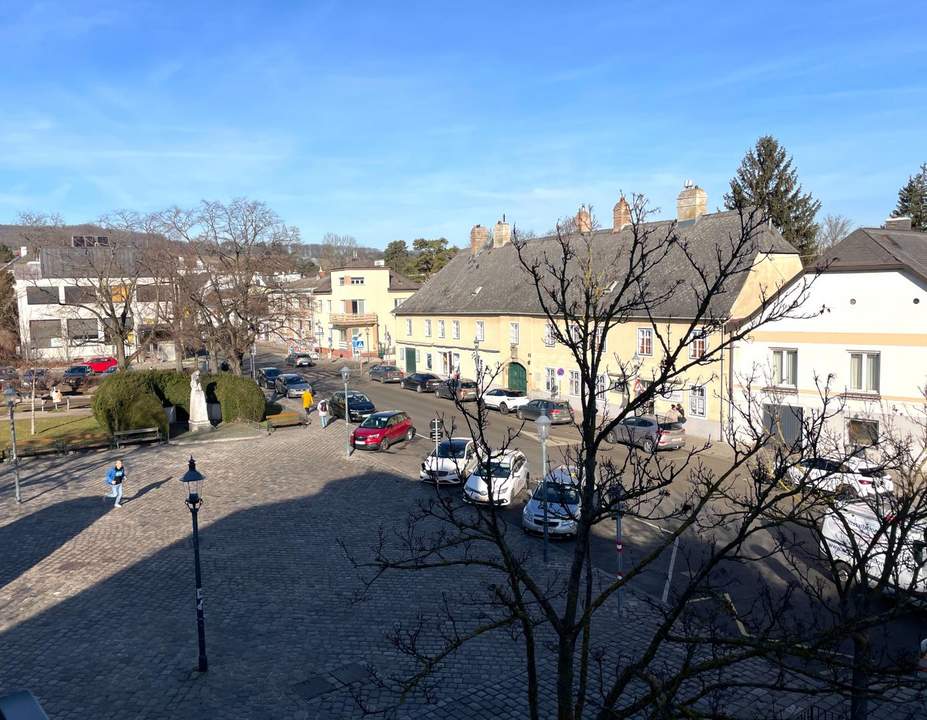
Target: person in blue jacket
x,y
115,477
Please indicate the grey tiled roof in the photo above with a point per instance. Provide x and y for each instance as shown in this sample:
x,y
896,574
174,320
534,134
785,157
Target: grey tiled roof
x,y
878,248
397,282
494,282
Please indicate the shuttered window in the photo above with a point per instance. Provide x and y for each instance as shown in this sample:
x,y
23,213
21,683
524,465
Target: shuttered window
x,y
42,332
79,295
42,296
83,329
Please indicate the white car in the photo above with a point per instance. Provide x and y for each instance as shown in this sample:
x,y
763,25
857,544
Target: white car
x,y
857,523
848,478
452,461
509,476
562,498
505,401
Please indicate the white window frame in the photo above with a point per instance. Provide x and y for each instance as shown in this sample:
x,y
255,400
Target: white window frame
x,y
455,329
601,384
575,383
866,359
514,333
645,336
428,361
357,280
781,359
408,327
698,396
455,362
480,333
440,328
427,327
700,338
549,335
550,380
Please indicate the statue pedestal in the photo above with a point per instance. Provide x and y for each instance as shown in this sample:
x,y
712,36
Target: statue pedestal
x,y
199,425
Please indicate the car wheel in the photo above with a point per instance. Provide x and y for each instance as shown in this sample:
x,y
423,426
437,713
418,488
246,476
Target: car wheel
x,y
384,444
519,415
410,435
503,408
844,574
647,446
612,437
418,388
846,493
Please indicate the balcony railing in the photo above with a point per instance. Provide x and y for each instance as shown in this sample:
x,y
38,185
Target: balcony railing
x,y
353,319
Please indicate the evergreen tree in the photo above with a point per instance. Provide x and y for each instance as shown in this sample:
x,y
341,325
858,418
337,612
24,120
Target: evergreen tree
x,y
912,200
430,256
396,256
767,181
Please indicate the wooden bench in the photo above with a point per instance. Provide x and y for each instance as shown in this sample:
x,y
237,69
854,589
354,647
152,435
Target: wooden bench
x,y
121,437
288,418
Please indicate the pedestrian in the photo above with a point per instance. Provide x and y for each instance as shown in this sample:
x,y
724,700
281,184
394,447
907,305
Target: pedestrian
x,y
682,413
308,401
672,415
56,397
115,477
323,413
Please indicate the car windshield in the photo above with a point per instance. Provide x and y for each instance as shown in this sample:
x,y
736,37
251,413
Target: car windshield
x,y
560,406
497,470
271,372
560,494
468,384
375,421
387,368
670,426
871,471
357,397
294,380
455,449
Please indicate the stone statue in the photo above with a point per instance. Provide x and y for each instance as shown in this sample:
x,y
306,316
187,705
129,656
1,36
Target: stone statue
x,y
199,417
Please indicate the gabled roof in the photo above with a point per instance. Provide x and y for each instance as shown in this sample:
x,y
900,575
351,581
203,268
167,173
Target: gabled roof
x,y
397,282
495,283
873,249
68,262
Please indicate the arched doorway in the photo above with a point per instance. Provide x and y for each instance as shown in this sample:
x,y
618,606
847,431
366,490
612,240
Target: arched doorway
x,y
518,377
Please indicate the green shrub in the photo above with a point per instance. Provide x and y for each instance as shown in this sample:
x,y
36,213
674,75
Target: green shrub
x,y
114,396
145,411
239,397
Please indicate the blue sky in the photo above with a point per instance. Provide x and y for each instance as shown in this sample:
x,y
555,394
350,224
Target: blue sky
x,y
403,120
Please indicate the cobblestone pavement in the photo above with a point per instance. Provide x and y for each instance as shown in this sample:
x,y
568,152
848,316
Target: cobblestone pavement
x,y
96,603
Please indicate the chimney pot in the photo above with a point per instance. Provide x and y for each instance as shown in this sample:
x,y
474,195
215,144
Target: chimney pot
x,y
691,202
501,234
898,223
583,220
622,214
479,236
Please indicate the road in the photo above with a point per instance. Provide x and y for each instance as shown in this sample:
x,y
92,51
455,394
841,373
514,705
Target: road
x,y
640,537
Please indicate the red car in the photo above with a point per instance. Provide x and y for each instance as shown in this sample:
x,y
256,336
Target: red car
x,y
382,429
101,364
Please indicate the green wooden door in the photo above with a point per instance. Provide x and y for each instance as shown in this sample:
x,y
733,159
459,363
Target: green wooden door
x,y
518,377
410,361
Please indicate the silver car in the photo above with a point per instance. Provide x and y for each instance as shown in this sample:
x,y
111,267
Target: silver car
x,y
563,502
649,432
291,385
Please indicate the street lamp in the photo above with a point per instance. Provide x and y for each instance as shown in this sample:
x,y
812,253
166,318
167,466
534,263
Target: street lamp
x,y
193,480
10,394
543,427
345,374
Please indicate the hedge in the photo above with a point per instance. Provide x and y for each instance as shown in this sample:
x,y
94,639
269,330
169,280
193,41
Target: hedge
x,y
128,400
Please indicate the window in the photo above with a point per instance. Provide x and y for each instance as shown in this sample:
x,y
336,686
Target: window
x,y
428,328
864,372
42,332
357,281
408,327
455,329
697,401
699,345
329,307
456,362
440,328
418,356
145,293
396,302
75,294
862,433
550,380
341,280
574,382
601,384
83,330
514,331
549,335
428,361
784,367
480,330
42,296
645,341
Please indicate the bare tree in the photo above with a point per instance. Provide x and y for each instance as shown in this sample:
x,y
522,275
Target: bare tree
x,y
833,230
762,506
337,250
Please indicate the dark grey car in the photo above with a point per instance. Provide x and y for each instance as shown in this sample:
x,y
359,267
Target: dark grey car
x,y
421,382
267,376
291,385
385,373
463,390
559,411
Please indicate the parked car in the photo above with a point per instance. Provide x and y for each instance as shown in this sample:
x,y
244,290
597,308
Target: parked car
x,y
291,385
360,406
76,376
559,411
110,370
267,376
41,378
101,364
452,461
505,400
462,390
857,525
382,429
421,382
649,432
300,360
563,501
848,478
7,373
385,373
507,472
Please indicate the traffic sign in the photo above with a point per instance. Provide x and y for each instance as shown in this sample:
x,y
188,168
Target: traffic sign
x,y
436,430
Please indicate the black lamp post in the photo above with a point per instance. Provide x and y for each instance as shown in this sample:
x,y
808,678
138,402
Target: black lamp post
x,y
193,480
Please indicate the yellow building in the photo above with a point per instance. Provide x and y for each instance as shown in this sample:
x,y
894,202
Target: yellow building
x,y
352,308
483,307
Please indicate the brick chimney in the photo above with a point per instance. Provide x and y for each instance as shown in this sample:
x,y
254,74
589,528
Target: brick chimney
x,y
898,223
501,234
622,214
583,220
691,202
479,238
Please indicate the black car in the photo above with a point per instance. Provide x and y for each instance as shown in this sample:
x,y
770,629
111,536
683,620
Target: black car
x,y
421,382
76,376
385,373
559,411
462,390
267,376
360,405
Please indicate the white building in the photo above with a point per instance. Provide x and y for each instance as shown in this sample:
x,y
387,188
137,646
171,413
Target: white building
x,y
865,348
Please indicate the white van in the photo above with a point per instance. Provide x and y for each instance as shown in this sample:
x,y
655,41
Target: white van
x,y
910,574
